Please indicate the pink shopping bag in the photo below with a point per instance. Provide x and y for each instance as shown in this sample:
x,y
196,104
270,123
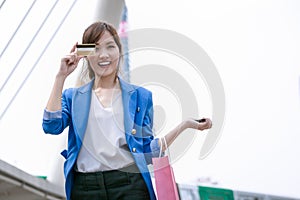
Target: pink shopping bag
x,y
164,178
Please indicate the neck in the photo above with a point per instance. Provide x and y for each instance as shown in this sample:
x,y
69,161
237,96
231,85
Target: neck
x,y
105,82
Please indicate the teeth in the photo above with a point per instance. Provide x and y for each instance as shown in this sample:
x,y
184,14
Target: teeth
x,y
103,63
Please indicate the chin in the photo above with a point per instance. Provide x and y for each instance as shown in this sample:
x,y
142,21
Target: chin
x,y
106,74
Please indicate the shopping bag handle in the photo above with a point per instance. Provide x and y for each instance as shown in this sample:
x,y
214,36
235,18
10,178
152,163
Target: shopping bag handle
x,y
167,149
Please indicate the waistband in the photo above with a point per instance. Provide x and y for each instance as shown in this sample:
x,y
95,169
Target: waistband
x,y
128,169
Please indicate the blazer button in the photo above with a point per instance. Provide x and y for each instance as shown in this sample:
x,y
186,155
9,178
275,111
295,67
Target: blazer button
x,y
133,149
138,109
133,131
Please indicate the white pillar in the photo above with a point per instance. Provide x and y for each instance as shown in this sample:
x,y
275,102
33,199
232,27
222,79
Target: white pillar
x,y
110,11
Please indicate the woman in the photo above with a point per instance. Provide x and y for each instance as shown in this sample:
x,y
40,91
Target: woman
x,y
110,124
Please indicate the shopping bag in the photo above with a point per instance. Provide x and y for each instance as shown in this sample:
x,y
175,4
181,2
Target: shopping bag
x,y
165,184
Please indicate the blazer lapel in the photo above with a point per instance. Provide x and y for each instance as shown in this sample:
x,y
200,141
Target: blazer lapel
x,y
129,98
80,110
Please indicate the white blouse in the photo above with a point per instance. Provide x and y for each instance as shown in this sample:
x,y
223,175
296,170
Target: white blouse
x,y
104,145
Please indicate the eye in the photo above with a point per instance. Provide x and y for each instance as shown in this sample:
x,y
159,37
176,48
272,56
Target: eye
x,y
111,46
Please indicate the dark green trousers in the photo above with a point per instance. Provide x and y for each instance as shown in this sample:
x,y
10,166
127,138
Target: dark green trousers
x,y
109,185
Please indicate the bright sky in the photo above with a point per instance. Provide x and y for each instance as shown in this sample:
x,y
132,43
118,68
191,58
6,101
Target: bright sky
x,y
254,45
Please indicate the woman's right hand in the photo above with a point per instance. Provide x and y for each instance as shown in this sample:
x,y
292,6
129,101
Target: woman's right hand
x,y
69,63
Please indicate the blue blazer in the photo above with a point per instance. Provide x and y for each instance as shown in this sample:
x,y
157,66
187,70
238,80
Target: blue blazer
x,y
138,115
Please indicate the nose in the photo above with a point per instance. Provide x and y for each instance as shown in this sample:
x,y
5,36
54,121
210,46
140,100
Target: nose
x,y
103,54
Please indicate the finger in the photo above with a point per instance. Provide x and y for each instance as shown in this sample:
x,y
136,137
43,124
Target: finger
x,y
209,123
73,67
70,60
69,56
78,58
73,48
202,120
73,58
66,59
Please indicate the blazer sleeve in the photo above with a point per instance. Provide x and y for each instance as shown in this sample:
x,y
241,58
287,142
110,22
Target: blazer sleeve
x,y
54,122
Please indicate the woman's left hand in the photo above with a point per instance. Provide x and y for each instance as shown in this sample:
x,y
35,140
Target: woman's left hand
x,y
198,124
201,124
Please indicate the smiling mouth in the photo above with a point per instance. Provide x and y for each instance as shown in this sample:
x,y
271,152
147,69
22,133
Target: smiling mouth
x,y
104,64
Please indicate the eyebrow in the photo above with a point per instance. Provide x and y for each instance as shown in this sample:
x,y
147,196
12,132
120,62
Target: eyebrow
x,y
107,43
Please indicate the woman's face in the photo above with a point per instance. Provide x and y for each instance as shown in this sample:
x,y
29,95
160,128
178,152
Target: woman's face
x,y
105,61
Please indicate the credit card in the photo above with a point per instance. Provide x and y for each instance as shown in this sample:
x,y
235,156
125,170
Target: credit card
x,y
85,49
